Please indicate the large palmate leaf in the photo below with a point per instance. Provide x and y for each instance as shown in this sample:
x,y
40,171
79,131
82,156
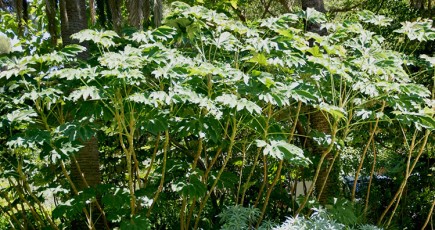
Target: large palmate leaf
x,y
103,38
190,186
283,150
75,131
85,93
138,222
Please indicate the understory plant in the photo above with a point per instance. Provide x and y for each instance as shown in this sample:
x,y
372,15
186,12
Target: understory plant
x,y
206,112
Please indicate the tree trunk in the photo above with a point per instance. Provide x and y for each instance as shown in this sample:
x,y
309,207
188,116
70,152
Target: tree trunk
x,y
158,12
316,4
146,13
72,18
101,10
85,168
115,9
19,11
320,123
88,161
135,13
50,10
319,6
92,11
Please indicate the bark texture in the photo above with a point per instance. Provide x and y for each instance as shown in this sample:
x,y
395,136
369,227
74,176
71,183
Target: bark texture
x,y
92,11
101,11
146,12
86,171
135,13
88,161
19,11
320,123
73,18
316,4
115,9
158,12
50,10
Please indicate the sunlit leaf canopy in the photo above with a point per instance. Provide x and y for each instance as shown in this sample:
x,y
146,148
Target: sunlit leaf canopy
x,y
208,113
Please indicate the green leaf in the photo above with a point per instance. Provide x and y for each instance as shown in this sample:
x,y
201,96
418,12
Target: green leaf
x,y
315,16
336,112
155,121
259,59
283,150
260,143
315,51
73,49
228,99
21,115
304,94
30,139
414,89
164,33
234,3
226,180
79,130
190,186
138,222
85,92
418,119
104,38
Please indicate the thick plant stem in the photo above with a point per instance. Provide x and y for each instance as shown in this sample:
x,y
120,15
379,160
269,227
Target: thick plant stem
x,y
269,191
265,180
162,180
295,123
372,172
184,203
230,151
29,191
204,180
123,130
182,213
68,178
189,217
12,216
207,171
327,174
20,193
218,153
248,180
97,204
411,149
366,147
241,172
153,158
198,153
319,166
183,217
409,170
5,197
130,154
429,215
278,173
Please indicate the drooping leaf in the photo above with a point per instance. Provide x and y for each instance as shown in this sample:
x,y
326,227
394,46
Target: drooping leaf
x,y
85,93
282,150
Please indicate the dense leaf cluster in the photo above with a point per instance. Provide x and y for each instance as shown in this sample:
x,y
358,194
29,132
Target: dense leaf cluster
x,y
203,113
